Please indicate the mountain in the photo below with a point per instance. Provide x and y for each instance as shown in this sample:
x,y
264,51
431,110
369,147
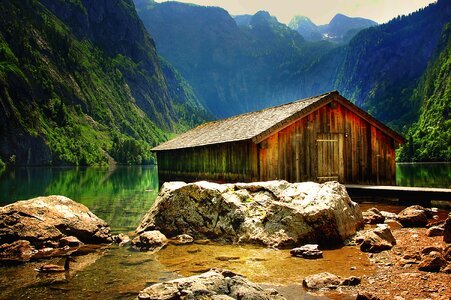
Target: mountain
x,y
306,28
80,81
243,20
429,138
341,29
341,25
234,69
382,65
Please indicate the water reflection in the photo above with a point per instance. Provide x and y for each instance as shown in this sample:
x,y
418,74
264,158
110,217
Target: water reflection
x,y
424,175
120,196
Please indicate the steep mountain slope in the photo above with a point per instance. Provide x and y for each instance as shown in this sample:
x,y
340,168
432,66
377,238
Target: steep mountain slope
x,y
383,64
429,139
233,69
79,79
341,29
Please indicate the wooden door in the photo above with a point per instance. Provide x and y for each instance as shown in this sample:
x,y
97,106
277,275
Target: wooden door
x,y
330,157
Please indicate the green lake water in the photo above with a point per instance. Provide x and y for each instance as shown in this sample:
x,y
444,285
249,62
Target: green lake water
x,y
121,196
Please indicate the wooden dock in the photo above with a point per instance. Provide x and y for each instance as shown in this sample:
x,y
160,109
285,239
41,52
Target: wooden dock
x,y
404,195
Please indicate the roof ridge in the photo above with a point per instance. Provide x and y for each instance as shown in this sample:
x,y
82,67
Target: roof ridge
x,y
240,127
267,108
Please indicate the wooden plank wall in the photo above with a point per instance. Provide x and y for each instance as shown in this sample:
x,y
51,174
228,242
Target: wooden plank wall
x,y
366,153
228,162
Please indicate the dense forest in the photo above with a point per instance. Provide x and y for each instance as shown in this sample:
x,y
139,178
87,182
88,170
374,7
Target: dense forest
x,y
82,84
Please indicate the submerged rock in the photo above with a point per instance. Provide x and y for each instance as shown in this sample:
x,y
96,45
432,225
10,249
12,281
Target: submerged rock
x,y
121,239
274,213
182,239
50,222
150,241
309,251
321,280
214,284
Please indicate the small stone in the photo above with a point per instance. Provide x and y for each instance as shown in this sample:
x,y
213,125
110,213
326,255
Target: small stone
x,y
351,281
432,262
70,241
321,280
447,230
429,249
378,239
182,239
373,216
435,231
121,239
414,216
150,241
309,251
20,250
447,253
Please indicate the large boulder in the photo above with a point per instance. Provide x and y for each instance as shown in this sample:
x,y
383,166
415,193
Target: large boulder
x,y
215,284
274,213
50,222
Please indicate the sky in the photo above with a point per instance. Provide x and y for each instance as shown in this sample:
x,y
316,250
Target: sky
x,y
319,11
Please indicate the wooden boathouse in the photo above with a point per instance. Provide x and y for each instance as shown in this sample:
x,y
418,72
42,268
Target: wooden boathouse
x,y
321,138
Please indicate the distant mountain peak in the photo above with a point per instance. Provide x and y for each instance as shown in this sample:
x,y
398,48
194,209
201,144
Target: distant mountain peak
x,y
340,29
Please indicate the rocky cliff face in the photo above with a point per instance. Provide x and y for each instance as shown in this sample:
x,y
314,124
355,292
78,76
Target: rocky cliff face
x,y
76,74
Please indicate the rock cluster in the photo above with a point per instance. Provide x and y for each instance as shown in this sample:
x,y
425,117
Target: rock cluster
x,y
41,226
275,213
215,284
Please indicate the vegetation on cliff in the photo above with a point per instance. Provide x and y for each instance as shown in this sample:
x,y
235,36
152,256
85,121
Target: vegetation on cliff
x,y
429,138
75,75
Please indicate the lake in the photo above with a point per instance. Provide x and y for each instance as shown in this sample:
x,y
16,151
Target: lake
x,y
121,196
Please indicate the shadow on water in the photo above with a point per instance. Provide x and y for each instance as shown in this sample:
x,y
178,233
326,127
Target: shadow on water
x,y
120,196
436,175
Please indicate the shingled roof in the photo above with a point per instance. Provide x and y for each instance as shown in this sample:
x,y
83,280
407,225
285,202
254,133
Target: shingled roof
x,y
253,125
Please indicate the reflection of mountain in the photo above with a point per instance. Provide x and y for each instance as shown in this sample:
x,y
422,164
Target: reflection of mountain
x,y
120,196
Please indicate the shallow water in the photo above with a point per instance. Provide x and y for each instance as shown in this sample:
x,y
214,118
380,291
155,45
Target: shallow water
x,y
121,197
118,273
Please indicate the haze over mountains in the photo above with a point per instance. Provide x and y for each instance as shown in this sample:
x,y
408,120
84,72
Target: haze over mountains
x,y
83,83
341,28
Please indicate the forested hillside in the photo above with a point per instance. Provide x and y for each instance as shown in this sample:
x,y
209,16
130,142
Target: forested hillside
x,y
80,81
383,64
429,139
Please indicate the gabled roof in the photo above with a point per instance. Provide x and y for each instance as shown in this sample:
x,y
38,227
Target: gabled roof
x,y
258,125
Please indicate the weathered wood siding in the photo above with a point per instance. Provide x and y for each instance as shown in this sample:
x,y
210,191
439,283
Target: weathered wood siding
x,y
331,143
227,162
